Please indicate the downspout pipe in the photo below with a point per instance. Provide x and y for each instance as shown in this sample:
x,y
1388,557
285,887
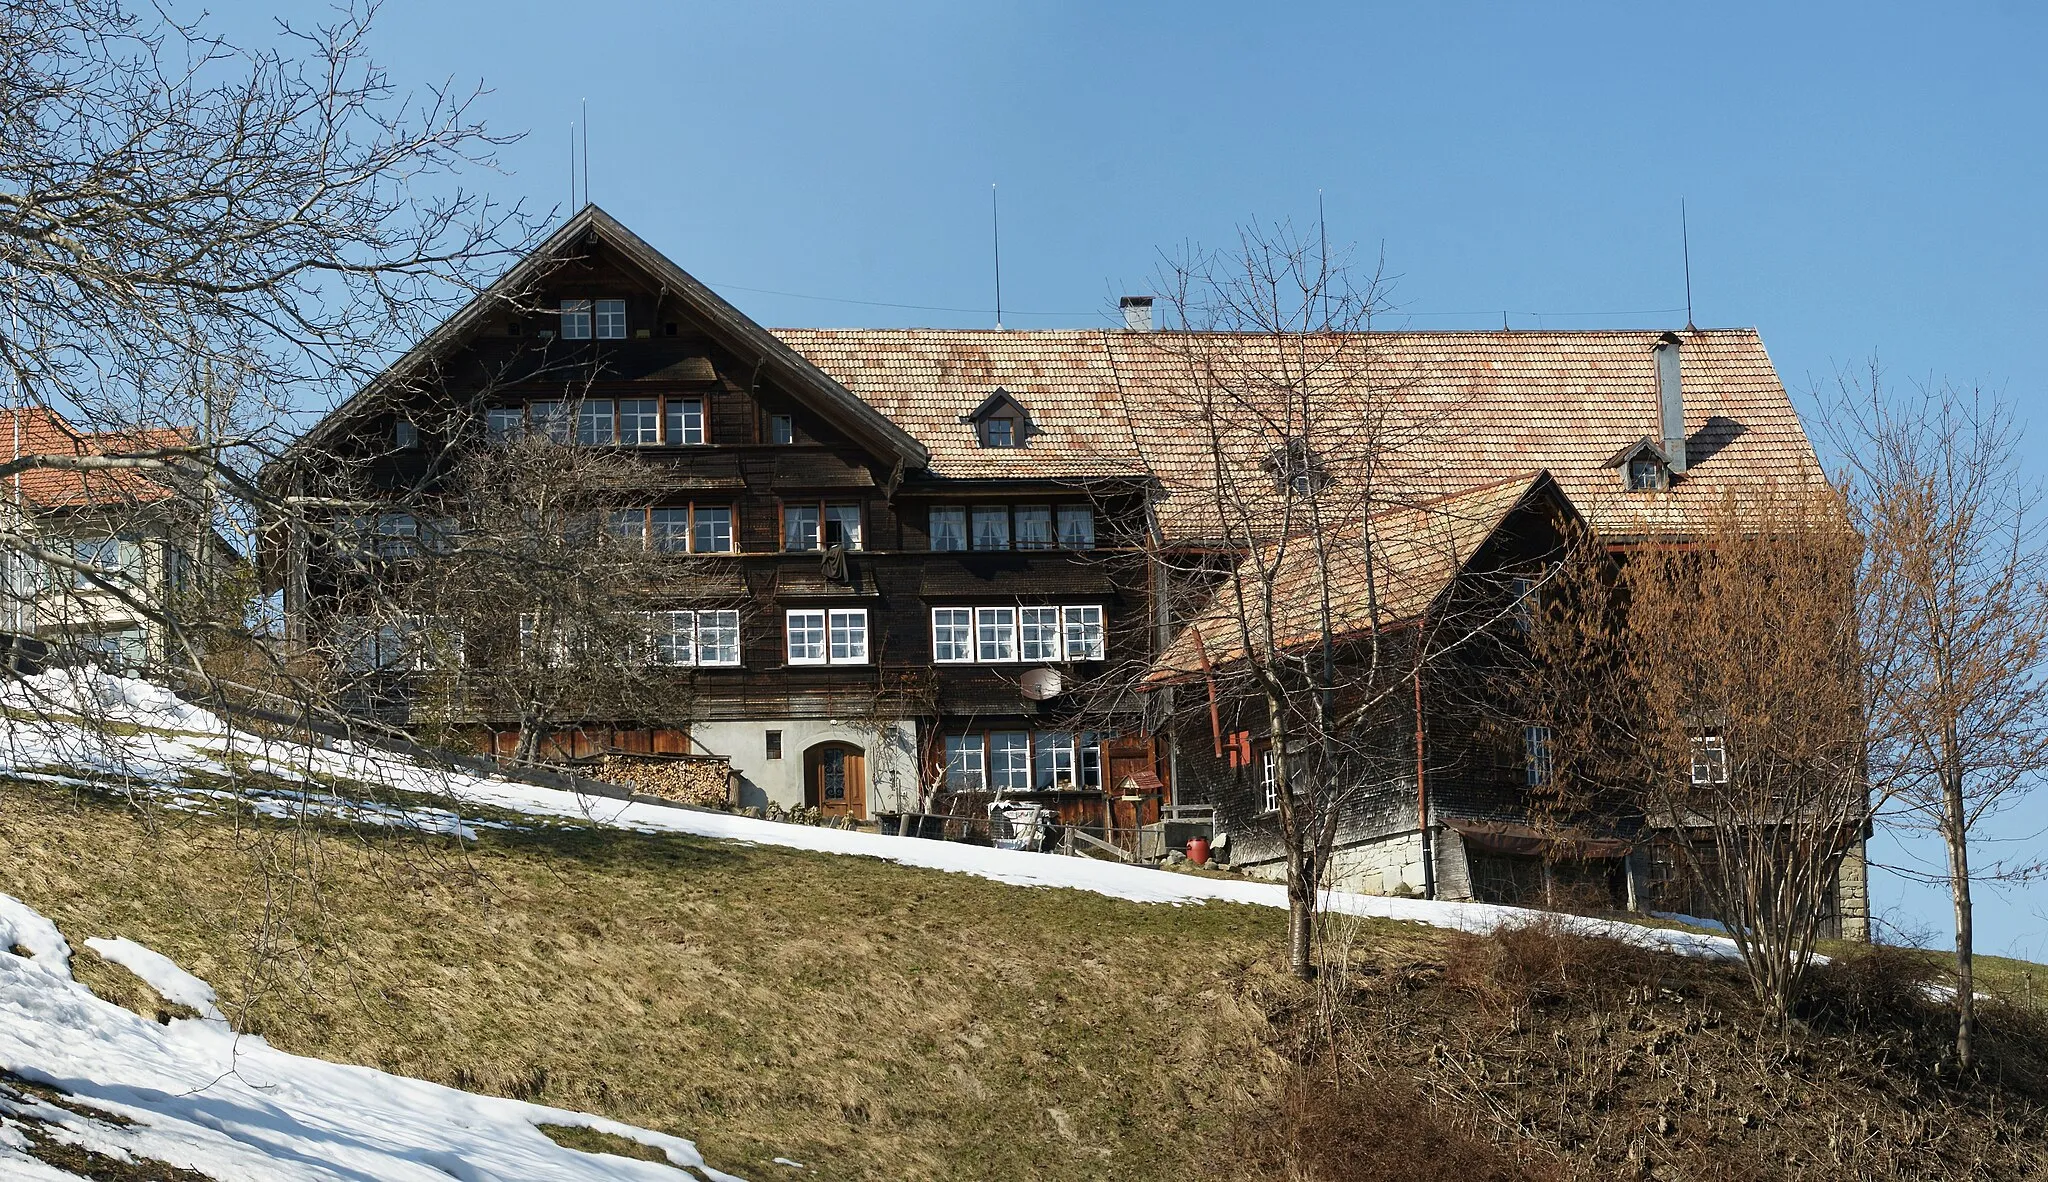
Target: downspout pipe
x,y
1422,797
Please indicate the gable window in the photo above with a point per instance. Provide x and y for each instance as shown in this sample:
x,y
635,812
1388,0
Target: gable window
x,y
1522,608
685,421
404,435
964,763
1034,527
1709,760
991,527
594,422
1077,527
1009,755
1084,633
1038,633
639,421
999,432
1536,755
611,320
575,320
821,637
1645,474
952,634
949,527
1269,782
781,429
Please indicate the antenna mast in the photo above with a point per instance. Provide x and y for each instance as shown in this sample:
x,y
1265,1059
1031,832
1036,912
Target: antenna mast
x,y
995,222
1685,241
572,169
586,151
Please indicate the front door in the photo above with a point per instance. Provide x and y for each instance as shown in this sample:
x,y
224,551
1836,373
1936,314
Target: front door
x,y
837,781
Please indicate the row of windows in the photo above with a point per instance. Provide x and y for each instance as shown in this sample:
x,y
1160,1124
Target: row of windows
x,y
607,317
811,636
1023,761
1709,757
992,635
1005,527
599,422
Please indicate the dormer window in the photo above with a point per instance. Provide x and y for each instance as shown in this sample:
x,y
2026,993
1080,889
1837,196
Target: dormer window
x,y
1296,469
1001,421
1644,466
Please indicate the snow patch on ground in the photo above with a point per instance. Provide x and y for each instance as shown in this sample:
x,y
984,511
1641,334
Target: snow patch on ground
x,y
194,1094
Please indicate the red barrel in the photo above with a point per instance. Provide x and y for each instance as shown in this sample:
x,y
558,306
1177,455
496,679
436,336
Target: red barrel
x,y
1198,851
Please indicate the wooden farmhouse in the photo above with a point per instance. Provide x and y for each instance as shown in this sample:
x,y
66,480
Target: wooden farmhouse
x,y
914,568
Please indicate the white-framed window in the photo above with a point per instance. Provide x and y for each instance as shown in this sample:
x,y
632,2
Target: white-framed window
x,y
805,632
627,527
1709,760
991,527
949,527
1077,527
594,424
685,421
952,634
575,320
965,763
117,560
1034,527
551,419
639,421
842,526
1009,758
1536,755
1645,474
710,529
817,636
1269,781
693,637
504,423
1038,634
781,429
848,641
1084,632
611,320
995,634
800,527
544,643
1053,765
718,637
670,528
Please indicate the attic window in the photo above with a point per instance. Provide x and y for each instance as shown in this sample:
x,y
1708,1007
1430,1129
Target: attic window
x,y
1000,420
1646,474
1296,469
1001,432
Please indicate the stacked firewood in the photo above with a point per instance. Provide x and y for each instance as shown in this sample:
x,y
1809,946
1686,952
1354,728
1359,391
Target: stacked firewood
x,y
698,780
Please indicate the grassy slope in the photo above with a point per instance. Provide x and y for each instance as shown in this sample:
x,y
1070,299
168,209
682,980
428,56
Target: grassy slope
x,y
868,1018
873,1020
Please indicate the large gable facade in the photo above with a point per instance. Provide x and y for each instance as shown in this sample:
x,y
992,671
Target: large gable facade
x,y
988,507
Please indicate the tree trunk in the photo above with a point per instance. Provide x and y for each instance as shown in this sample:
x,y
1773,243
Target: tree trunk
x,y
1301,917
1955,834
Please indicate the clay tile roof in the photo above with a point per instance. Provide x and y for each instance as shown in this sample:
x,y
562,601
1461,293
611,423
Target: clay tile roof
x,y
41,431
1483,405
1416,553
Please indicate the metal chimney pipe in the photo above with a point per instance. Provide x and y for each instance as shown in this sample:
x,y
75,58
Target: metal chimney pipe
x,y
1137,313
1671,400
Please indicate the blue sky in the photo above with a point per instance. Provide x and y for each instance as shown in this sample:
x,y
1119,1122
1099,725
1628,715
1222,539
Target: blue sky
x,y
1861,179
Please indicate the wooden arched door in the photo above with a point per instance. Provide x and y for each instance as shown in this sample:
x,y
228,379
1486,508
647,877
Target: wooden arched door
x,y
836,780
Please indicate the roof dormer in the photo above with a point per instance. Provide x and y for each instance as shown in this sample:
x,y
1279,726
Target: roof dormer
x,y
1645,467
1001,420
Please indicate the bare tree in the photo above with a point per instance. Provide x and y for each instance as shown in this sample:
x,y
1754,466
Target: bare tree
x,y
1291,416
1955,617
1712,685
209,237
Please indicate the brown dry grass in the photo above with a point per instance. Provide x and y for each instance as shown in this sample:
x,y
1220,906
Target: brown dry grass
x,y
868,1019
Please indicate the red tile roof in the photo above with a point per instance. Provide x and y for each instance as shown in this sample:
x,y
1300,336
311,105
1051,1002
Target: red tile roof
x,y
35,431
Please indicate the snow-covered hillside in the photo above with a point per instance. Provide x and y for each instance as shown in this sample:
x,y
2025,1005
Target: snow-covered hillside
x,y
195,1094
